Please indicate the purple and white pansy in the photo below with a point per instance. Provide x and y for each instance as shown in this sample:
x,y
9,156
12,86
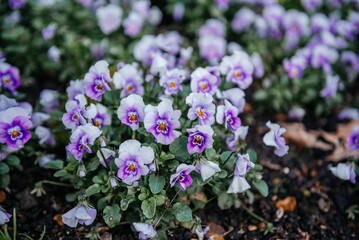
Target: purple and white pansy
x,y
202,107
81,139
228,114
133,160
161,122
203,81
274,138
131,111
238,68
129,79
97,79
200,138
182,176
239,183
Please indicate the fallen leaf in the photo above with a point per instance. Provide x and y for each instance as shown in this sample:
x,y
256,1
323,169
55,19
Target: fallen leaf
x,y
214,229
298,135
2,196
58,219
332,141
288,204
280,117
261,225
247,107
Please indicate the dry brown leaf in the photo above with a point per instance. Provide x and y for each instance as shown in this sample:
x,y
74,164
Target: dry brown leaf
x,y
216,237
288,204
2,196
58,219
298,135
247,107
214,229
280,117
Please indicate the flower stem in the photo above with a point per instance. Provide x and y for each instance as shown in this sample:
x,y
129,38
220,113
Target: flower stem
x,y
252,213
102,155
55,183
228,159
158,221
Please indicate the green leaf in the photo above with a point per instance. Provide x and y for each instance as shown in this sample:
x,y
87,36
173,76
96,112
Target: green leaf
x,y
149,207
262,187
57,115
54,164
210,154
12,160
179,148
225,200
4,180
225,155
156,183
60,173
93,189
182,212
142,196
98,180
112,215
126,201
4,168
160,199
252,155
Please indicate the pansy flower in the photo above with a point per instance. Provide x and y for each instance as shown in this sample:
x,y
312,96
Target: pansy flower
x,y
240,133
239,183
146,230
4,217
212,48
132,161
14,125
131,111
353,139
182,176
234,96
172,80
144,49
239,69
75,88
203,81
82,138
323,56
207,168
294,67
200,138
83,215
133,24
202,107
109,18
48,99
16,4
9,77
45,136
76,112
161,121
49,31
212,27
243,19
97,79
129,79
274,138
331,87
102,117
344,172
228,114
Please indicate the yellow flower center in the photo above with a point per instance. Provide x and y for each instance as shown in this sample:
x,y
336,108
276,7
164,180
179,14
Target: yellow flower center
x,y
76,117
204,87
200,113
14,133
172,84
162,127
97,123
133,118
6,80
197,139
238,74
99,86
129,88
294,72
131,167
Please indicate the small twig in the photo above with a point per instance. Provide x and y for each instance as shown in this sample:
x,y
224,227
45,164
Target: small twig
x,y
252,213
55,183
227,159
158,221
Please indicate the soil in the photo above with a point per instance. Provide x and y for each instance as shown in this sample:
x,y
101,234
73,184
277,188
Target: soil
x,y
319,214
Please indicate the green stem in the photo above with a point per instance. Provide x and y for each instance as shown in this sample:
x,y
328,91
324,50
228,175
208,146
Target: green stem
x,y
252,213
14,222
227,159
55,183
260,154
102,155
158,221
204,204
